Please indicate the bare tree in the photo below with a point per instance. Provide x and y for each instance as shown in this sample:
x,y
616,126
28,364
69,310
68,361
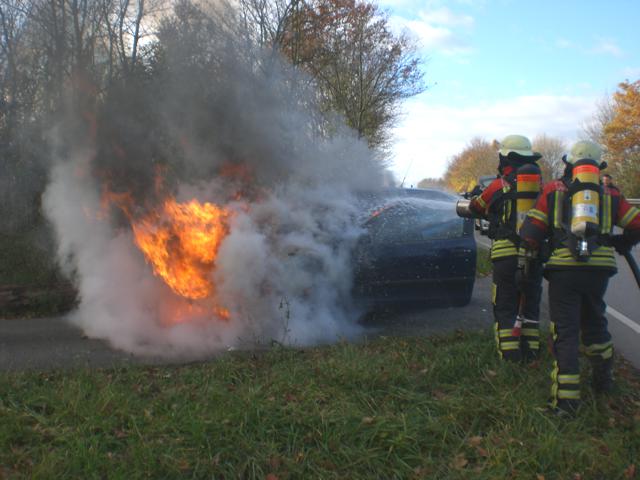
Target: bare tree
x,y
592,129
552,150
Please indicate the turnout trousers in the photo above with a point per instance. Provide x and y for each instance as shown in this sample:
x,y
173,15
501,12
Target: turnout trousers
x,y
506,302
577,312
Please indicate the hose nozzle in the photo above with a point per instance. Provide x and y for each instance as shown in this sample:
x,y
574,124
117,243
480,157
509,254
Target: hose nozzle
x,y
463,210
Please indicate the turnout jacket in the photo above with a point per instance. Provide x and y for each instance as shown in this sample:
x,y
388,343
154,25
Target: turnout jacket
x,y
497,204
550,217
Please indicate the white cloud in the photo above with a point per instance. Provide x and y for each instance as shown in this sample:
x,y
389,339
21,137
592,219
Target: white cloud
x,y
431,134
631,73
438,30
608,47
563,43
602,46
444,16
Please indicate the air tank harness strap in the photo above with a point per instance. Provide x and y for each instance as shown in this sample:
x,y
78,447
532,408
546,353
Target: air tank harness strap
x,y
578,186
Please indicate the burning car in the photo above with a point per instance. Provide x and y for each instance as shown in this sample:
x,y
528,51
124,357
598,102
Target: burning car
x,y
415,249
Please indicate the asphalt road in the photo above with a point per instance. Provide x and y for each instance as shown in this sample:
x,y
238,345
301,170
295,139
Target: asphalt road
x,y
47,343
623,307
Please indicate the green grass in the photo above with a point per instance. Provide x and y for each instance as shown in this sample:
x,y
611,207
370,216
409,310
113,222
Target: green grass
x,y
483,261
441,407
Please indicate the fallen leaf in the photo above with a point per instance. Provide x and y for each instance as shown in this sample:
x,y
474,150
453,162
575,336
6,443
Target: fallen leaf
x,y
271,476
475,441
440,395
539,477
577,476
482,452
368,420
630,471
492,373
421,472
459,461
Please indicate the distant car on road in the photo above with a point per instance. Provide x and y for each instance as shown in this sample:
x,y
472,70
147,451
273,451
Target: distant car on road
x,y
415,249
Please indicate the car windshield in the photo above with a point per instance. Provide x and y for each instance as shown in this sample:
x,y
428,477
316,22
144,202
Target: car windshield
x,y
410,220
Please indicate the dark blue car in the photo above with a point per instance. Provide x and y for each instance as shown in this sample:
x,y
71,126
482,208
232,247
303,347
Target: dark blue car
x,y
415,249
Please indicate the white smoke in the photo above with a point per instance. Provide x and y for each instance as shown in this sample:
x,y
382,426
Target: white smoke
x,y
284,272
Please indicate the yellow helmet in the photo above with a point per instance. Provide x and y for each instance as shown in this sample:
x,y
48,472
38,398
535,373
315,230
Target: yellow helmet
x,y
583,150
515,143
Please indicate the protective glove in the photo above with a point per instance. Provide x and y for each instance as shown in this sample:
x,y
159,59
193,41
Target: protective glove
x,y
477,190
621,243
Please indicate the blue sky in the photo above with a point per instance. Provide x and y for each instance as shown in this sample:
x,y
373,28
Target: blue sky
x,y
497,67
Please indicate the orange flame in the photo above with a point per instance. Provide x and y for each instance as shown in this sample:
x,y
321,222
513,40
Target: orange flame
x,y
181,243
180,240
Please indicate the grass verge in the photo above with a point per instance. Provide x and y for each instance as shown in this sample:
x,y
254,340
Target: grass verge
x,y
441,407
483,261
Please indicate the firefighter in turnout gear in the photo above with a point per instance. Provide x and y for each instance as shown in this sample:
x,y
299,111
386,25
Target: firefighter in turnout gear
x,y
515,294
577,215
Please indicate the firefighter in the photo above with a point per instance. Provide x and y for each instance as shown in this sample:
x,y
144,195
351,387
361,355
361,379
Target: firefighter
x,y
577,214
607,181
504,206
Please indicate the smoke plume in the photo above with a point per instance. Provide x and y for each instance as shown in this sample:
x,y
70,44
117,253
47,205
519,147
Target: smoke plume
x,y
217,120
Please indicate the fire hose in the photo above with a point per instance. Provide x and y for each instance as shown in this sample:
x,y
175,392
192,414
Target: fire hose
x,y
632,265
626,253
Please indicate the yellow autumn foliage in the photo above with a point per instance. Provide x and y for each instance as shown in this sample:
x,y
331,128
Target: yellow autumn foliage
x,y
621,138
477,159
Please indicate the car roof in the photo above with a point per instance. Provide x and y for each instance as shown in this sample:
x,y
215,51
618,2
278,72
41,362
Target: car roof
x,y
428,193
424,193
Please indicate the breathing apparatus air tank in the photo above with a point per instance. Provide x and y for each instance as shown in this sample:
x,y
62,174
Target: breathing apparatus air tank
x,y
585,200
528,179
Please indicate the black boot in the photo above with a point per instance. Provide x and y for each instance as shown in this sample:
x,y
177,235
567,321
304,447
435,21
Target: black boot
x,y
529,355
564,408
514,356
602,374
